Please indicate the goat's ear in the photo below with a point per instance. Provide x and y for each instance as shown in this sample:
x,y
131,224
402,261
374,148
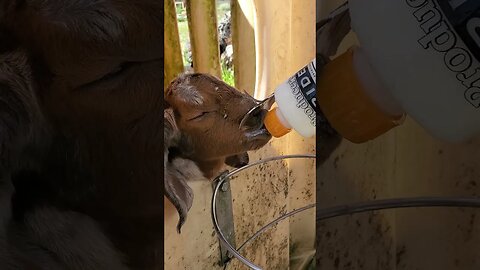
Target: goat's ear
x,y
237,161
176,188
177,171
170,129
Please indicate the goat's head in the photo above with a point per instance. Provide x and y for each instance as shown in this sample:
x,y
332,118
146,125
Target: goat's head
x,y
216,121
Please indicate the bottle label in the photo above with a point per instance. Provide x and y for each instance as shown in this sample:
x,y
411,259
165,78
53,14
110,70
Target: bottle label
x,y
452,28
304,88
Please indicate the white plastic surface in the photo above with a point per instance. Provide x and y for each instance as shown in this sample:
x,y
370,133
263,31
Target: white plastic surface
x,y
295,116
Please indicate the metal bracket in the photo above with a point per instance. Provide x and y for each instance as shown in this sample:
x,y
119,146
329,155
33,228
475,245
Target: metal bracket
x,y
225,215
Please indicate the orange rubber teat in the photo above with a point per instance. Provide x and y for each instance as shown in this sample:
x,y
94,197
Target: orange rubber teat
x,y
274,125
349,110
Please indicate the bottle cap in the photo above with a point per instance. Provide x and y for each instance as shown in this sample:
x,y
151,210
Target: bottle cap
x,y
347,106
274,125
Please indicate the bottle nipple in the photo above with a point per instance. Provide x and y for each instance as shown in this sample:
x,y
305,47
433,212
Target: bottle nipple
x,y
346,104
274,124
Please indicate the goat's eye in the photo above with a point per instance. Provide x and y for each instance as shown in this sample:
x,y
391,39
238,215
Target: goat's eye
x,y
199,116
113,74
118,70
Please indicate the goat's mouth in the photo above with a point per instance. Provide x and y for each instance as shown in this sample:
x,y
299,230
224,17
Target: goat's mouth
x,y
257,138
256,133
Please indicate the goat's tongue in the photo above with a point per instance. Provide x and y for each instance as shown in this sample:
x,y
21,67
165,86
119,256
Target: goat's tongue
x,y
254,134
266,130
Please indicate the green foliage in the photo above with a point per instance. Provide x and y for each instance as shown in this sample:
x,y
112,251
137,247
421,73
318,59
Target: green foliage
x,y
222,8
181,13
228,75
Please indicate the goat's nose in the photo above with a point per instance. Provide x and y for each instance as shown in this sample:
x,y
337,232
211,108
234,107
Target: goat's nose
x,y
253,119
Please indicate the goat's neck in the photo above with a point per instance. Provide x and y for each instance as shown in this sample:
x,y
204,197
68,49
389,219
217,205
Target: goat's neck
x,y
210,168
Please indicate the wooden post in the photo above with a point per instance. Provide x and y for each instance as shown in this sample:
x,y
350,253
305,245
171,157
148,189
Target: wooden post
x,y
243,41
202,23
302,180
173,54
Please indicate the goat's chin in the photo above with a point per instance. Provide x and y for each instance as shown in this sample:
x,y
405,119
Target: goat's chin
x,y
255,145
256,139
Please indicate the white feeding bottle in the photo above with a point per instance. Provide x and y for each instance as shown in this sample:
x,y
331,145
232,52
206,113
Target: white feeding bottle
x,y
297,104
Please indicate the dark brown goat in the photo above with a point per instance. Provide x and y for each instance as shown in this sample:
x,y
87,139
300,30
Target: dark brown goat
x,y
202,124
81,147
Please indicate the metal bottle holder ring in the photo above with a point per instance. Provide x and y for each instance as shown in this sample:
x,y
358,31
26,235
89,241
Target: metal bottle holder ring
x,y
327,213
220,180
